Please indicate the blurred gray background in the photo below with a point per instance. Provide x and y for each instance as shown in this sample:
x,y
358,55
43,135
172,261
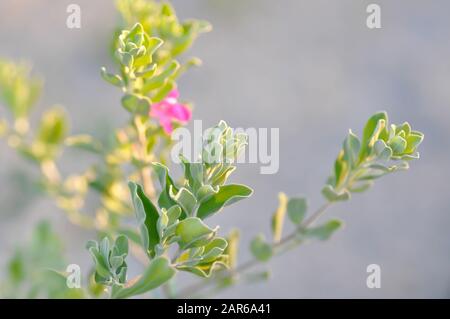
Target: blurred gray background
x,y
312,69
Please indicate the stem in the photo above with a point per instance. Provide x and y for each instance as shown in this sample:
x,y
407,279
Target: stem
x,y
144,172
195,288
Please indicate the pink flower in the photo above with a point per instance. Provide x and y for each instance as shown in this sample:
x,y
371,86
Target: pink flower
x,y
169,110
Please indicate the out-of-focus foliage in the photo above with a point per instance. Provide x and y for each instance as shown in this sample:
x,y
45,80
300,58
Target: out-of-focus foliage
x,y
31,270
18,88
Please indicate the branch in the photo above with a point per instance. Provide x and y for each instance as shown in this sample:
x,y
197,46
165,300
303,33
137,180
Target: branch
x,y
195,288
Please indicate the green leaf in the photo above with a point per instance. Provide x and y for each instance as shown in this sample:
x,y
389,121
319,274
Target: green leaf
x,y
331,195
297,208
162,223
136,104
147,72
185,199
205,269
193,232
161,79
153,45
101,264
227,195
131,234
261,249
398,145
351,149
413,140
104,249
53,127
193,173
370,130
157,273
214,249
111,78
121,246
360,187
205,192
173,213
167,184
147,216
324,231
126,59
383,151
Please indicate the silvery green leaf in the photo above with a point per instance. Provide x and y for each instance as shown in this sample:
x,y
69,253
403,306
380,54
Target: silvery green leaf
x,y
260,248
205,192
147,217
193,232
92,244
296,209
116,262
157,273
161,79
370,129
173,213
360,187
101,264
383,151
352,146
104,249
113,79
227,195
205,269
153,45
331,195
398,145
162,223
122,275
166,182
196,252
324,231
136,104
147,72
121,246
185,199
126,59
212,254
193,172
413,141
222,175
408,157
